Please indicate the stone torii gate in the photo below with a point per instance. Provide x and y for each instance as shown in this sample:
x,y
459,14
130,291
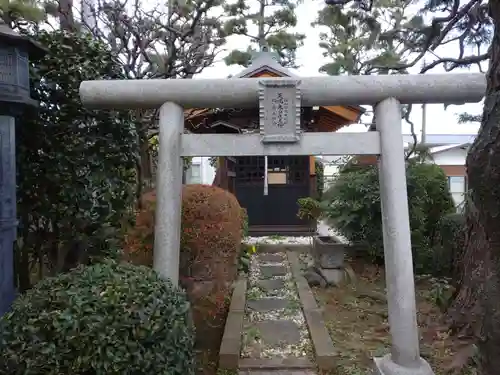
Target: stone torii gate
x,y
280,101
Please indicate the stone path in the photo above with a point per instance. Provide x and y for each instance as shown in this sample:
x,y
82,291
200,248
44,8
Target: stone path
x,y
275,334
274,325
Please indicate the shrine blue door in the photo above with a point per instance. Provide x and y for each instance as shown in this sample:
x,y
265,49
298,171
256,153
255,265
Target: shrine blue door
x,y
288,180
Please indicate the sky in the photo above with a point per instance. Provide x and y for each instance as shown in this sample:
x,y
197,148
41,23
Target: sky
x,y
310,59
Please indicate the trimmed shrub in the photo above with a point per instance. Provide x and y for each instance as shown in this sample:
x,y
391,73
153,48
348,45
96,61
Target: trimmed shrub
x,y
139,239
452,244
212,227
352,205
213,224
107,318
211,233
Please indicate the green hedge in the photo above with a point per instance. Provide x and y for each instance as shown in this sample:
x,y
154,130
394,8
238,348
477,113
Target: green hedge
x,y
107,318
452,244
352,205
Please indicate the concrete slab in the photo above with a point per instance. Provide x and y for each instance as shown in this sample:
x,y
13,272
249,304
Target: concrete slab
x,y
267,304
271,284
271,271
276,332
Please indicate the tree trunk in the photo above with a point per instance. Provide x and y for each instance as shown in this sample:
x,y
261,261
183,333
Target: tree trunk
x,y
480,286
465,309
65,13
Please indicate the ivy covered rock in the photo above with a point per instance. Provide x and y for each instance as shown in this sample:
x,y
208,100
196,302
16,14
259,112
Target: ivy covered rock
x,y
352,205
109,318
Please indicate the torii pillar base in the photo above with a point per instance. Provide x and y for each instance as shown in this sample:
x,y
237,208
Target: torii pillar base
x,y
386,366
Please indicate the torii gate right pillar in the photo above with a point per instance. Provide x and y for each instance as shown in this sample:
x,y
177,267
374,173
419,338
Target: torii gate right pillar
x,y
405,355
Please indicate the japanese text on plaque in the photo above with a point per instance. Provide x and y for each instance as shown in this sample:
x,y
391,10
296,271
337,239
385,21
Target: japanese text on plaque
x,y
279,110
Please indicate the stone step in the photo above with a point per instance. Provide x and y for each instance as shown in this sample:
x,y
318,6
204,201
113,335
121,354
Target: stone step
x,y
270,285
270,257
267,304
276,332
272,371
268,272
275,366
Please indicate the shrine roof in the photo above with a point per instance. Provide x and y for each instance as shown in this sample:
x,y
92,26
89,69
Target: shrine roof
x,y
264,64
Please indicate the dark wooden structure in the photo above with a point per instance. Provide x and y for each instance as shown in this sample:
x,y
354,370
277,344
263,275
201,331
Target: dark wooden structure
x,y
289,178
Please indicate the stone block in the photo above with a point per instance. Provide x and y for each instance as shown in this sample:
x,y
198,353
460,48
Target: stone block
x,y
333,277
267,304
271,285
229,353
328,253
271,271
314,277
276,332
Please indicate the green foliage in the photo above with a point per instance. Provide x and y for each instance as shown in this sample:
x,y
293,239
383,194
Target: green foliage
x,y
76,178
272,19
244,223
15,11
108,318
309,209
213,161
391,36
320,177
352,205
246,253
467,117
360,42
452,244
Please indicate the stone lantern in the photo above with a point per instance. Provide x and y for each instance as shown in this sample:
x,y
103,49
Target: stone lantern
x,y
15,50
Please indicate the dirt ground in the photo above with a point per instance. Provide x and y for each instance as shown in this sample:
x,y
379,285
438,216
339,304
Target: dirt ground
x,y
356,316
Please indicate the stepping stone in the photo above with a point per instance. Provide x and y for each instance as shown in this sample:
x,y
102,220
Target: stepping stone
x,y
270,271
275,332
267,304
268,257
270,285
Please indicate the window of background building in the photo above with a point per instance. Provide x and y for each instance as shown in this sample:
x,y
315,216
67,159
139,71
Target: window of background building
x,y
194,174
456,184
458,187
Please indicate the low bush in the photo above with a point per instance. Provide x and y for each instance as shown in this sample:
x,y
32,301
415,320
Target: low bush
x,y
452,244
352,205
108,318
211,233
212,227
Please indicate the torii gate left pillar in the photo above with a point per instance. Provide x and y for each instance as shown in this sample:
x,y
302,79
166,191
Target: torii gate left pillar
x,y
280,101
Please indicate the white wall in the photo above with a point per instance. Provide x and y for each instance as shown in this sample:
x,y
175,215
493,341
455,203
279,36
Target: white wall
x,y
200,172
455,156
457,184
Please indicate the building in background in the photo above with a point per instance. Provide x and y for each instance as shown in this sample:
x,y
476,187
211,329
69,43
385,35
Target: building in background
x,y
451,159
449,151
200,171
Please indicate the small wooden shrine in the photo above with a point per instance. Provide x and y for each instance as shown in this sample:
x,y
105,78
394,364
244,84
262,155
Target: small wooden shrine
x,y
288,178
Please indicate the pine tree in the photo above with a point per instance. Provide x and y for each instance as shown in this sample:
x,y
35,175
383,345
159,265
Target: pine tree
x,y
272,21
361,42
20,13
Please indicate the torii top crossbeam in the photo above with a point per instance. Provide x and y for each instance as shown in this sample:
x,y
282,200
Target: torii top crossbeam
x,y
315,91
